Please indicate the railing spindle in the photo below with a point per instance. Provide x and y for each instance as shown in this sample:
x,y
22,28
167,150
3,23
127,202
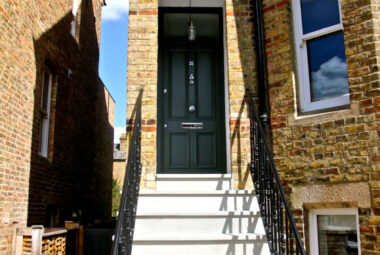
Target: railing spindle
x,y
281,230
123,238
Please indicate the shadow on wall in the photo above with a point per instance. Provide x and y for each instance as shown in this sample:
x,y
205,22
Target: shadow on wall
x,y
74,181
242,11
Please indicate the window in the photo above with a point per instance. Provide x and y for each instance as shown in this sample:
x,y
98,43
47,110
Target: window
x,y
75,12
334,231
322,69
45,114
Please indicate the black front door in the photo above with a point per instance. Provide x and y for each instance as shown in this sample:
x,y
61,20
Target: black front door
x,y
192,128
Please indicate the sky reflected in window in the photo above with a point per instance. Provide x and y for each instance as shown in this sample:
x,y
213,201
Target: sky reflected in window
x,y
318,14
327,66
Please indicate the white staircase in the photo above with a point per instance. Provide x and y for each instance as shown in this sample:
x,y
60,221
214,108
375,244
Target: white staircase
x,y
198,215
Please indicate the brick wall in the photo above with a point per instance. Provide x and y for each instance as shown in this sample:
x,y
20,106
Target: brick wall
x,y
241,64
99,194
119,171
35,36
142,74
317,155
333,157
119,165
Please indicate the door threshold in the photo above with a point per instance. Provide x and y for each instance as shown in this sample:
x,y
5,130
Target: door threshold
x,y
193,176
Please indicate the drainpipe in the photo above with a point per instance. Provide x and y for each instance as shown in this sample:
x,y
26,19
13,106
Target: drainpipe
x,y
261,63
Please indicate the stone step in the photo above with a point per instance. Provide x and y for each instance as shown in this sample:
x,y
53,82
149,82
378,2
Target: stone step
x,y
200,182
200,244
199,223
198,214
197,201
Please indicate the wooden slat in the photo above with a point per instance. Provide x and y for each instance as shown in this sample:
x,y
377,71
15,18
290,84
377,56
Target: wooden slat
x,y
53,242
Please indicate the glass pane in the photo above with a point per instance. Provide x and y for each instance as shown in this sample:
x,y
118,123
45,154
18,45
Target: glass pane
x,y
206,24
41,135
337,234
177,86
205,91
327,67
318,14
45,91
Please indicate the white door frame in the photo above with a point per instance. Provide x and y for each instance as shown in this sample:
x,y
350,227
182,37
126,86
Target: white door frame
x,y
215,4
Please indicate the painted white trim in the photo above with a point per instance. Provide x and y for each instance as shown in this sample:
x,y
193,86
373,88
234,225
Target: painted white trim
x,y
215,4
193,176
304,96
73,26
319,33
76,4
313,225
226,95
44,139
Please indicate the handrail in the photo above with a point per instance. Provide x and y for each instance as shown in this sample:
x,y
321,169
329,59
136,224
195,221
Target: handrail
x,y
277,216
123,238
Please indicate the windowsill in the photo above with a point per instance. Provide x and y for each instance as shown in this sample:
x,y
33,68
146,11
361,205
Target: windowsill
x,y
315,117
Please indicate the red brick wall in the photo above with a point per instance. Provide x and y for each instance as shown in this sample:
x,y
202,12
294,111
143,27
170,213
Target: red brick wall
x,y
35,35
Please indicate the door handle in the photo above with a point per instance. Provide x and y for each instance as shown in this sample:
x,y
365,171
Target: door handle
x,y
191,108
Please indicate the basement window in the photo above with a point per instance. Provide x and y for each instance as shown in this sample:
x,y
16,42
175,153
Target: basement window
x,y
322,68
45,114
334,231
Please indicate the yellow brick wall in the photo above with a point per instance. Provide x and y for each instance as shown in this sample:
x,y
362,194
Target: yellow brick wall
x,y
241,64
118,172
119,166
142,74
329,158
333,151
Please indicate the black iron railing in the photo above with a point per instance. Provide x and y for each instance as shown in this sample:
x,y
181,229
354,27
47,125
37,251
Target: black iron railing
x,y
125,225
281,230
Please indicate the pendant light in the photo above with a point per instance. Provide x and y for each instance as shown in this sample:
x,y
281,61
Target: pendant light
x,y
192,33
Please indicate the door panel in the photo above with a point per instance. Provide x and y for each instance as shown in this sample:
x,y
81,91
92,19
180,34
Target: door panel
x,y
206,86
177,86
193,141
205,150
178,151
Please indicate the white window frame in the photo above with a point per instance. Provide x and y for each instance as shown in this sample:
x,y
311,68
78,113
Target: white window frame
x,y
303,64
76,4
313,225
45,118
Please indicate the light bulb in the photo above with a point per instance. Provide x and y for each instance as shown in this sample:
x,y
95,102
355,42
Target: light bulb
x,y
192,33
